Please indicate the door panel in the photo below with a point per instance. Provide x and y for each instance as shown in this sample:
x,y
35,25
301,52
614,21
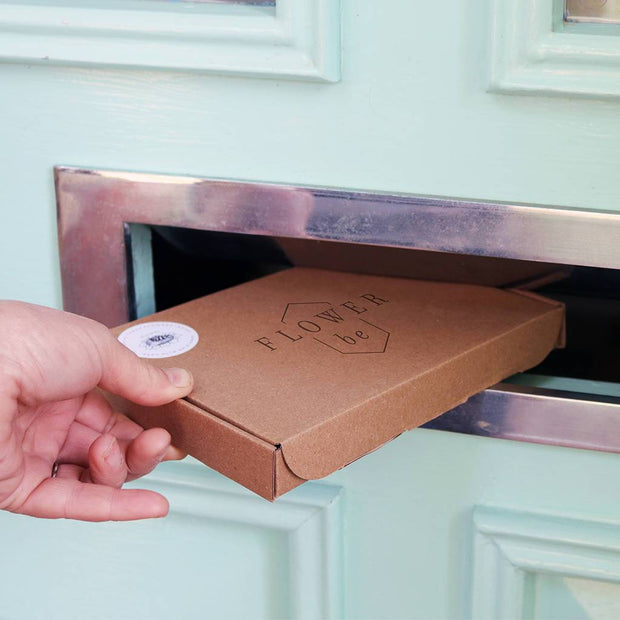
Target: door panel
x,y
222,552
394,534
410,113
410,520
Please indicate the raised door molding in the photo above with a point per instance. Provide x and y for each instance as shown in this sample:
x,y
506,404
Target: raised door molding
x,y
298,39
512,547
309,517
533,52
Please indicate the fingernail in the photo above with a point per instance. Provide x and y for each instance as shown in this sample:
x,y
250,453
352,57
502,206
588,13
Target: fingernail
x,y
179,377
112,455
161,455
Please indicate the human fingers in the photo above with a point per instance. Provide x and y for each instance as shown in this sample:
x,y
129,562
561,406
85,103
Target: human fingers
x,y
66,355
131,377
94,418
96,413
110,466
67,498
70,471
81,437
106,463
174,454
146,451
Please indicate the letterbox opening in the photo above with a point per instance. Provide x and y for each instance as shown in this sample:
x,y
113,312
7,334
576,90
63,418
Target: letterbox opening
x,y
187,264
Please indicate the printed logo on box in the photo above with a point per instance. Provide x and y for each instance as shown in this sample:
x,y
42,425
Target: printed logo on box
x,y
159,339
337,326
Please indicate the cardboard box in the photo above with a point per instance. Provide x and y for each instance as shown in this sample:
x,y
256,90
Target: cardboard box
x,y
419,264
304,371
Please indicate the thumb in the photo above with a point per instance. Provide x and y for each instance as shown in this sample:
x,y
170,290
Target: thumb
x,y
129,376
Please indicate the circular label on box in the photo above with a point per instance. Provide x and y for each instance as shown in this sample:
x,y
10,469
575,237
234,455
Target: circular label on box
x,y
158,339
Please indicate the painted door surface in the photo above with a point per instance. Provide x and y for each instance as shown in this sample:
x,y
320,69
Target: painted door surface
x,y
491,100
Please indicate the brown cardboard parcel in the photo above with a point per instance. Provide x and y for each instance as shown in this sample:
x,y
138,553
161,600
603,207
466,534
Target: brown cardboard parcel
x,y
300,373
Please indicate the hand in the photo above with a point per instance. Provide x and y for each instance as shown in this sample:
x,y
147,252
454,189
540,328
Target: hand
x,y
63,451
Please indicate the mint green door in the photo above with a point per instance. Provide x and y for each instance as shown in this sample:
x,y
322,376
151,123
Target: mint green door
x,y
493,100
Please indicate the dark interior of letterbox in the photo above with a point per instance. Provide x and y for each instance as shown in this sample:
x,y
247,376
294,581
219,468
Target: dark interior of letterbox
x,y
188,264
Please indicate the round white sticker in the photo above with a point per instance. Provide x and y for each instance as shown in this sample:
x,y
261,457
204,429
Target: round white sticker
x,y
159,339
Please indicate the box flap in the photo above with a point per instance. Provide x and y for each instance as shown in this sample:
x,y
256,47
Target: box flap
x,y
331,365
418,264
526,292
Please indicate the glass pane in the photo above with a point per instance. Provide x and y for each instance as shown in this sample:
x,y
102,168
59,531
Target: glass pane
x,y
254,2
573,598
603,11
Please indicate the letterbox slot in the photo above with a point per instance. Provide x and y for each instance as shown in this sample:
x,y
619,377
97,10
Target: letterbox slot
x,y
190,263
